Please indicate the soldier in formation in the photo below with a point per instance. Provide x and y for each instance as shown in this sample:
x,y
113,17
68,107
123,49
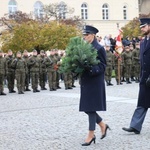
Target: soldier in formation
x,y
42,70
27,73
109,67
20,66
127,63
34,65
10,71
2,72
136,61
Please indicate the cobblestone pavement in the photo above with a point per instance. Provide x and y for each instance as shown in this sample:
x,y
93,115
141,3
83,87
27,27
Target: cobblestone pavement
x,y
51,121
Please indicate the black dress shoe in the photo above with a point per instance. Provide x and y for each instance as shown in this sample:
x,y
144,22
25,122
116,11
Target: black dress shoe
x,y
104,135
131,130
89,143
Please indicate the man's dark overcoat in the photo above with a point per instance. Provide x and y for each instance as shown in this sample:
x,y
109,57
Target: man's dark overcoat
x,y
93,96
144,91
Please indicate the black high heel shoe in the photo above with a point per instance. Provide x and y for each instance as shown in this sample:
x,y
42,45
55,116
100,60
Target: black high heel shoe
x,y
104,135
89,143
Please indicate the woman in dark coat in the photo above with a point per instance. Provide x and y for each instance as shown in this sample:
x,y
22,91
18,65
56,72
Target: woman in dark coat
x,y
93,96
144,91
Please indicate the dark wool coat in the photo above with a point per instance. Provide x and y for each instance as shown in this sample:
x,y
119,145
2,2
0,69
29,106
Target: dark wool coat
x,y
144,91
93,96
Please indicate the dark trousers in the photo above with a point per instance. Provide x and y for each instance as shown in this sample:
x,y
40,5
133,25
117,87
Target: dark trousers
x,y
93,119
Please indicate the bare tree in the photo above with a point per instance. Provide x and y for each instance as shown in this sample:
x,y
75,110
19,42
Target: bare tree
x,y
57,11
10,20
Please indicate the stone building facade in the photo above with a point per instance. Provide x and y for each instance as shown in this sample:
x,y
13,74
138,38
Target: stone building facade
x,y
106,15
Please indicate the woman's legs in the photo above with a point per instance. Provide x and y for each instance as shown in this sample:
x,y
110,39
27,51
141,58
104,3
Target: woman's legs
x,y
93,119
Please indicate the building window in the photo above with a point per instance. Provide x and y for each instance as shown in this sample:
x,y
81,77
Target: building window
x,y
84,11
62,8
124,12
38,9
12,6
105,12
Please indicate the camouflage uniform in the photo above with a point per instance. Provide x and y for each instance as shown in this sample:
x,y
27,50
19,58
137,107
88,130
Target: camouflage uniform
x,y
132,67
10,72
34,65
118,72
2,73
51,71
27,75
57,57
20,69
68,80
136,62
109,67
43,70
127,62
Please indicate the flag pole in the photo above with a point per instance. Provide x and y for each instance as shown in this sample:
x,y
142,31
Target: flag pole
x,y
118,70
119,59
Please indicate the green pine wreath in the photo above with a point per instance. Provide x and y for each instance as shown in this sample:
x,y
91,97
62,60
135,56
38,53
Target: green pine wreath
x,y
78,54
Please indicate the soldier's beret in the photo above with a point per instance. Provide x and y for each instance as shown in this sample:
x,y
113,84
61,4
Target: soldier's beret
x,y
25,51
42,51
89,30
18,52
9,50
34,50
144,22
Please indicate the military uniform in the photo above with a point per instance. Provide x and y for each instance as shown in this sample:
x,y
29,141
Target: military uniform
x,y
2,72
57,57
117,61
43,70
51,71
109,67
67,80
136,63
20,70
34,65
132,66
27,74
10,72
127,63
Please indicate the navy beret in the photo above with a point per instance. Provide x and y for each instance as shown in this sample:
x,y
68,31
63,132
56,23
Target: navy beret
x,y
144,22
89,30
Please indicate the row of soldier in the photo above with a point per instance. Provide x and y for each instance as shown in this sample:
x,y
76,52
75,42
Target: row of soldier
x,y
126,65
41,68
37,68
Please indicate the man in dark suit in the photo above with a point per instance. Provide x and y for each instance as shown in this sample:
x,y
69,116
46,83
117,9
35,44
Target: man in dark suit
x,y
144,91
93,96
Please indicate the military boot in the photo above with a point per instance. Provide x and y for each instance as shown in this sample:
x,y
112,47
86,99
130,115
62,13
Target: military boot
x,y
110,83
2,93
127,81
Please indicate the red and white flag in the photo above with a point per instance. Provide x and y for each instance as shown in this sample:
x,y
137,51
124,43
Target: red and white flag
x,y
119,46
